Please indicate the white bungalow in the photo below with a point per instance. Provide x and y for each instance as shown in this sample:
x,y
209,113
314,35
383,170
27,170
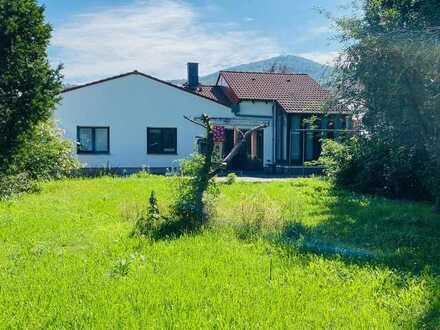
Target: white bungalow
x,y
133,121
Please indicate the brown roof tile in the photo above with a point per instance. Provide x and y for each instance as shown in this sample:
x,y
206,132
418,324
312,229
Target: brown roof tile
x,y
296,93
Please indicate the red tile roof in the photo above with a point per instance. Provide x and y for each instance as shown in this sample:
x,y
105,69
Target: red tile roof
x,y
295,93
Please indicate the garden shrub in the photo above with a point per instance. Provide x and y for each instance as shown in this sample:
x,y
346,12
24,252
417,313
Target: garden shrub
x,y
377,166
13,185
149,223
45,154
231,178
188,212
193,205
338,160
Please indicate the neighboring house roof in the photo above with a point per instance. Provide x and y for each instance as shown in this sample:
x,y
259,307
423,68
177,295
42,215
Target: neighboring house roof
x,y
295,93
145,76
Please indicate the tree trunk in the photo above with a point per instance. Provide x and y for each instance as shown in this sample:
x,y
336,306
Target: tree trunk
x,y
205,177
210,169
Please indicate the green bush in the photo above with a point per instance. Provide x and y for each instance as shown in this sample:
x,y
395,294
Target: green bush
x,y
148,223
193,206
377,166
13,185
188,212
337,158
191,167
45,154
152,224
231,178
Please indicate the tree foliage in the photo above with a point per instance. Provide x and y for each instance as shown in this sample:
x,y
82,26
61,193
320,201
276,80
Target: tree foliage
x,y
373,166
29,87
44,154
390,73
197,190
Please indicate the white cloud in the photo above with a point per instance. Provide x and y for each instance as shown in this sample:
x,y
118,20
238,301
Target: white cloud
x,y
248,19
328,58
320,29
312,31
157,37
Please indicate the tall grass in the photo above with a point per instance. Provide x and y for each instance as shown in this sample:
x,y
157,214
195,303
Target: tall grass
x,y
68,261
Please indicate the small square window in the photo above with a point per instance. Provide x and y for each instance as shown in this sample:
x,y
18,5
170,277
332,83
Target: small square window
x,y
93,140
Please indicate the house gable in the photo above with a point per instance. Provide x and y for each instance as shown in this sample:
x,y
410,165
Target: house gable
x,y
98,82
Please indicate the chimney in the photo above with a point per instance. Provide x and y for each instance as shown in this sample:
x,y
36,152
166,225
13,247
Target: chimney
x,y
193,75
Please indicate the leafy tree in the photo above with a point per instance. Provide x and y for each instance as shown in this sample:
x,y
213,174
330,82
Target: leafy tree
x,y
390,73
192,202
45,154
29,87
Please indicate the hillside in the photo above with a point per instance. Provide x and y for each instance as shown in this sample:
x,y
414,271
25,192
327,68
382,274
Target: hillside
x,y
292,63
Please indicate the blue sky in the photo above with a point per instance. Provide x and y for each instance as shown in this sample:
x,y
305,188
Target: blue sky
x,y
99,38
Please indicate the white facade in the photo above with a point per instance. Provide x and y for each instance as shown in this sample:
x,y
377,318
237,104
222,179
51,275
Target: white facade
x,y
130,104
256,108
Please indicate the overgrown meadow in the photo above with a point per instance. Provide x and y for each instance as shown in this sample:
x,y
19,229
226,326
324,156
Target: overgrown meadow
x,y
289,254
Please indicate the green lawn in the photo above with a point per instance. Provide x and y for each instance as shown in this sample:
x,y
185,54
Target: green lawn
x,y
67,260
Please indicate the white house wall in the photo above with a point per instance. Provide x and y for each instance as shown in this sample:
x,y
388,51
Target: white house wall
x,y
128,106
257,108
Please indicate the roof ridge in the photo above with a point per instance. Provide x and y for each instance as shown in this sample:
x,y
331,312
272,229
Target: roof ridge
x,y
268,73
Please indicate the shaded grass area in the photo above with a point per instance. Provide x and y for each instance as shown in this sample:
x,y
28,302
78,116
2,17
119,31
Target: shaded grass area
x,y
406,235
67,261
